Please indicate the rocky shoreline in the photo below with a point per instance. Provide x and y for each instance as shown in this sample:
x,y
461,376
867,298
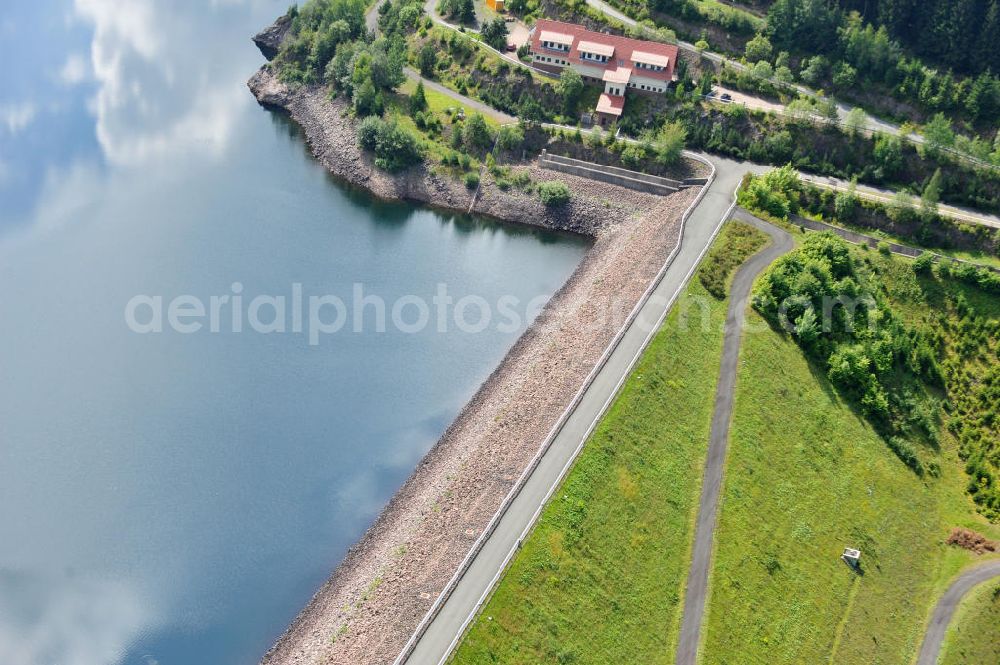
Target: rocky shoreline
x,y
375,598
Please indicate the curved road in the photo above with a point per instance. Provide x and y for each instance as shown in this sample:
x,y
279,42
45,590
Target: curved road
x,y
435,640
715,462
872,123
945,608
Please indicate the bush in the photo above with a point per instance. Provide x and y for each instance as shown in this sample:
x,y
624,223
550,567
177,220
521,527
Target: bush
x,y
669,142
418,102
476,134
395,147
845,204
368,132
427,59
494,33
776,192
510,137
471,179
554,193
923,264
521,180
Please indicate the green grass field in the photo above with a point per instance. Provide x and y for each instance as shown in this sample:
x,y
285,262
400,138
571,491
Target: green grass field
x,y
806,476
974,635
439,103
600,578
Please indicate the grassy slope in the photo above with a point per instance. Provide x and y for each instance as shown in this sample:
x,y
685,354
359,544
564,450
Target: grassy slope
x,y
806,477
974,635
599,579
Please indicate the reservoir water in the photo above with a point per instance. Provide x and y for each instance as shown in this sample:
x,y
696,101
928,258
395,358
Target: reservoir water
x,y
174,498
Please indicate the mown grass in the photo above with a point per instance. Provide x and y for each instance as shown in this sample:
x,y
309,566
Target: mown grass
x,y
600,578
806,476
974,634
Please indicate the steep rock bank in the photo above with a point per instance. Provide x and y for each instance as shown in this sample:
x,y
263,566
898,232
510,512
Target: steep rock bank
x,y
331,133
269,39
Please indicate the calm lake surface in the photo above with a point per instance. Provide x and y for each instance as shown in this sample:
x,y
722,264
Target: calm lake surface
x,y
170,498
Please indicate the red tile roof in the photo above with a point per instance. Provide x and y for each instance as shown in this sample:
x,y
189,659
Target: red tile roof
x,y
624,47
610,104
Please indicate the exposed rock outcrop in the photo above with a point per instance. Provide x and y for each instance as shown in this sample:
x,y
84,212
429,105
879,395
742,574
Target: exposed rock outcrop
x,y
269,39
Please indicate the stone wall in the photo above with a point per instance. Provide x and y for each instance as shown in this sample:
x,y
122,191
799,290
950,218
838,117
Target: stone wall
x,y
642,182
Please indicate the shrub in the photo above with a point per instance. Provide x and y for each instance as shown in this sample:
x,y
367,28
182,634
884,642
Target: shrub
x,y
884,248
368,132
395,147
554,193
845,204
418,102
923,264
776,192
669,142
741,241
494,33
510,137
476,134
427,59
521,179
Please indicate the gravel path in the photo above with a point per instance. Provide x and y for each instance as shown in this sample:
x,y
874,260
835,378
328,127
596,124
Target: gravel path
x,y
701,556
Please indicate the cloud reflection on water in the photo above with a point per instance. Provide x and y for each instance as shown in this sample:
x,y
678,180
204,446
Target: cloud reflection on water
x,y
162,88
167,97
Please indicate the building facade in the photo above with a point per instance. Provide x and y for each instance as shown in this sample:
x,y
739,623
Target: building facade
x,y
620,63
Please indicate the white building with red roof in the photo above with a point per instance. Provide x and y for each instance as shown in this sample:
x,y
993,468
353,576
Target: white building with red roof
x,y
620,63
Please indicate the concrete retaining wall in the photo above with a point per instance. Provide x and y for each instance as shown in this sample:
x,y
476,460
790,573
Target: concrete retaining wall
x,y
642,182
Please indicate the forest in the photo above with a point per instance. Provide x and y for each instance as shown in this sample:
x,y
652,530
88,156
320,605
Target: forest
x,y
961,34
855,50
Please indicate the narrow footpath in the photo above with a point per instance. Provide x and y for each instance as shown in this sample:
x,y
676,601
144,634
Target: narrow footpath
x,y
701,556
945,609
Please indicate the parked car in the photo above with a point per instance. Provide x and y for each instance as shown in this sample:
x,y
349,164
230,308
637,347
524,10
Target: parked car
x,y
726,97
511,47
509,19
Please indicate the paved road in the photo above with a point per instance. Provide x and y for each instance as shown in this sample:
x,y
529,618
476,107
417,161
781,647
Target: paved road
x,y
872,123
945,608
444,630
460,99
886,196
715,462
